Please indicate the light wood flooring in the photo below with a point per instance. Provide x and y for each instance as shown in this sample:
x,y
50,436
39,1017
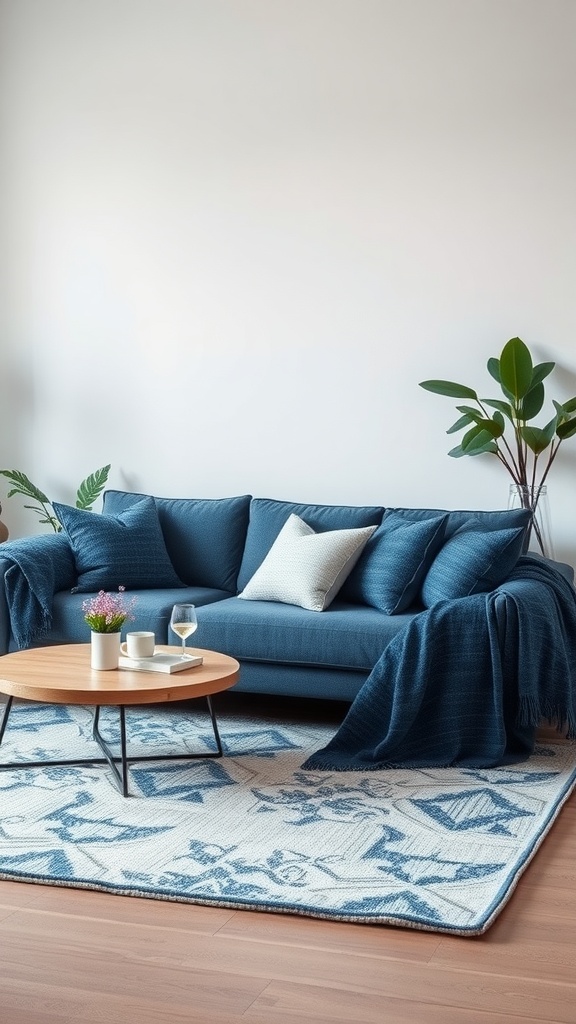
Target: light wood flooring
x,y
69,956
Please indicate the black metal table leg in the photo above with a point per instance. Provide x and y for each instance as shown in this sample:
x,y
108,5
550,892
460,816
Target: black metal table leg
x,y
120,774
121,778
215,727
4,721
123,751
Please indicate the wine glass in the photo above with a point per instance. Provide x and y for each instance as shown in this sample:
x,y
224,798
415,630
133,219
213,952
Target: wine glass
x,y
183,622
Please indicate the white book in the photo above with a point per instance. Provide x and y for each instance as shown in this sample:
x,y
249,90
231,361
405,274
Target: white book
x,y
160,663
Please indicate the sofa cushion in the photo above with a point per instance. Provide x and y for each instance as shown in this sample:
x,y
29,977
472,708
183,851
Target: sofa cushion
x,y
304,567
345,636
267,517
204,536
126,550
472,562
392,566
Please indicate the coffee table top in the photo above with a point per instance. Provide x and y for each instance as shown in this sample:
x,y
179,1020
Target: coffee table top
x,y
62,675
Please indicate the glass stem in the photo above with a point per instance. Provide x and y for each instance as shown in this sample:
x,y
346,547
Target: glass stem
x,y
183,646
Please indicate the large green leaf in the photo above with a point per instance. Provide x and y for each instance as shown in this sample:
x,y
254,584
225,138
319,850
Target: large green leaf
x,y
447,388
532,403
464,421
494,368
495,371
457,452
91,488
494,427
536,439
23,485
550,429
516,368
482,443
469,410
470,436
478,439
490,447
570,405
567,429
496,403
541,371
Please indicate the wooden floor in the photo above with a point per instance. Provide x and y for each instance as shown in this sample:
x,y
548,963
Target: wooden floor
x,y
69,956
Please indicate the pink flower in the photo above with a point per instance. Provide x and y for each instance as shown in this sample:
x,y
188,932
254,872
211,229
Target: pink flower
x,y
107,613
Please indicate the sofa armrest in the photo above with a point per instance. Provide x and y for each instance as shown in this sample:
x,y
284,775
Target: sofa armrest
x,y
536,580
32,570
4,612
562,567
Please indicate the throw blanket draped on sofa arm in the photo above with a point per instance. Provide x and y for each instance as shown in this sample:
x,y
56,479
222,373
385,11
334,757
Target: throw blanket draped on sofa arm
x,y
468,681
37,567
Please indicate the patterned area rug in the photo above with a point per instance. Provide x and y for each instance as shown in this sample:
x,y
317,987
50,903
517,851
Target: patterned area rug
x,y
438,849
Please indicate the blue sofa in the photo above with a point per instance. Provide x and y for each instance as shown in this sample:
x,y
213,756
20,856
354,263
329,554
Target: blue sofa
x,y
215,546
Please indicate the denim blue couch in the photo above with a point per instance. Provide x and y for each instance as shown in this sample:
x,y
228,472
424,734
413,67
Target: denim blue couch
x,y
216,545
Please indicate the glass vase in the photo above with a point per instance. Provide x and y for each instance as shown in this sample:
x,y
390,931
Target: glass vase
x,y
539,535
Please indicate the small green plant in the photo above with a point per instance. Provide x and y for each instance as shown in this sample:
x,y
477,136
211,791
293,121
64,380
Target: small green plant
x,y
87,493
508,432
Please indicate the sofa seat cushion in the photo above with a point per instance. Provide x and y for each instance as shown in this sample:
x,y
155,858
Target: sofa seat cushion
x,y
301,681
204,536
151,611
345,636
268,516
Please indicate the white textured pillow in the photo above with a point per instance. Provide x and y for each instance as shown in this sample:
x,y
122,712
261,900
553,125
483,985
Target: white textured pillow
x,y
306,568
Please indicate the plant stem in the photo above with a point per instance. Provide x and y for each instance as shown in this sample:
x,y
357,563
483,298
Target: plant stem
x,y
512,469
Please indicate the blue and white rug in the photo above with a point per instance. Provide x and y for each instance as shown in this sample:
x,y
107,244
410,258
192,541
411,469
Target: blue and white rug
x,y
439,849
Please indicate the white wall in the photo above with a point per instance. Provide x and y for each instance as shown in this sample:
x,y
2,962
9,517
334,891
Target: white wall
x,y
237,233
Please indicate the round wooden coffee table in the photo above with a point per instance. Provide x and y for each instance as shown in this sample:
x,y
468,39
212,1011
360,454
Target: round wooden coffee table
x,y
62,675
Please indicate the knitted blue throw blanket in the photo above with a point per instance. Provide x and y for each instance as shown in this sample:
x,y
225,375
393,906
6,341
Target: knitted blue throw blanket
x,y
39,566
468,681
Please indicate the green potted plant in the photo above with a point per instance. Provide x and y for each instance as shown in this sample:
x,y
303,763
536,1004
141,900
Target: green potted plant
x,y
526,451
87,493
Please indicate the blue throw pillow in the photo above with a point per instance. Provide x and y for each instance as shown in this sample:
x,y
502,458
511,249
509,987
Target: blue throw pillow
x,y
204,537
126,550
497,519
391,569
472,562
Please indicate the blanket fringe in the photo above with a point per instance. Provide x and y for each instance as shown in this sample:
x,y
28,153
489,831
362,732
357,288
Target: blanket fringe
x,y
533,712
40,632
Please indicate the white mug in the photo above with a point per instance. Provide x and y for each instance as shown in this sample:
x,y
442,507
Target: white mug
x,y
139,645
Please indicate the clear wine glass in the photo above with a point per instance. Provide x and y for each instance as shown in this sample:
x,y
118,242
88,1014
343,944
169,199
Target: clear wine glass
x,y
183,622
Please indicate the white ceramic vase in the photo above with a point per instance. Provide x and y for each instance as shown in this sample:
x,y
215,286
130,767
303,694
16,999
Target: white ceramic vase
x,y
104,651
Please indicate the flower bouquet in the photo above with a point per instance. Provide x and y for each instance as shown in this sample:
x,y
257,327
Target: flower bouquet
x,y
106,614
